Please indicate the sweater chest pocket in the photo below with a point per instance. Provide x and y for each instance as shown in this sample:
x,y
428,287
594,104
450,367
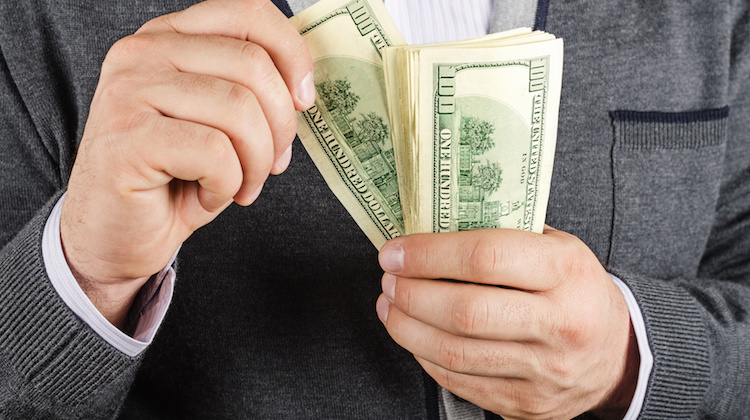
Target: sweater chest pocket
x,y
667,168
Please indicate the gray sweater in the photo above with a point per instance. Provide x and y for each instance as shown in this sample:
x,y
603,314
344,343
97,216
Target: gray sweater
x,y
273,313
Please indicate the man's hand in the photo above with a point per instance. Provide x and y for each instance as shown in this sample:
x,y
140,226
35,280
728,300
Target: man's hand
x,y
535,328
192,112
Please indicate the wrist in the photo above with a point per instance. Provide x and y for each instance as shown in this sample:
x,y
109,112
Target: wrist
x,y
111,296
618,401
112,299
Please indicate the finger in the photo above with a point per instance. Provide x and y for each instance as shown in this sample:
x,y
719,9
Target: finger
x,y
512,258
459,354
225,106
164,148
282,162
510,398
471,310
259,21
237,61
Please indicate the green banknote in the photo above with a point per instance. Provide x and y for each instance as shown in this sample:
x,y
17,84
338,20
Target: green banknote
x,y
347,131
474,131
430,138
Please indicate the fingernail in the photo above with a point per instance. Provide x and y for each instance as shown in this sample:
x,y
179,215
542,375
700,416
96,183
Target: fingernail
x,y
282,162
389,286
382,308
306,91
256,194
392,258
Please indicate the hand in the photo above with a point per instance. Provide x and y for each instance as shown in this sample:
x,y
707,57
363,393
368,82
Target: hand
x,y
535,329
192,112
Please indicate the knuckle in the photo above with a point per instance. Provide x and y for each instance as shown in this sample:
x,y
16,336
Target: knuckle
x,y
300,50
242,99
531,405
420,258
576,332
452,353
575,261
131,48
221,156
250,53
576,266
563,373
485,258
446,379
533,367
405,295
198,84
160,23
259,63
118,90
471,315
217,145
137,122
263,71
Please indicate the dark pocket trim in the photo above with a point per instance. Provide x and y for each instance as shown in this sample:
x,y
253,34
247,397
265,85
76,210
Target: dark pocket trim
x,y
669,130
671,117
540,20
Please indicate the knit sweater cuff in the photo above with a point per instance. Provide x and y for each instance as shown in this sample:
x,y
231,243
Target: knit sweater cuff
x,y
44,347
680,346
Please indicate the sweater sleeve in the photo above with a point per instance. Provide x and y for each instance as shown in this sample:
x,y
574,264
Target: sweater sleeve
x,y
146,313
699,328
52,365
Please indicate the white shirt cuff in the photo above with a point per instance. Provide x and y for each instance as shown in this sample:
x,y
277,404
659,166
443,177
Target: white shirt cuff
x,y
647,359
157,294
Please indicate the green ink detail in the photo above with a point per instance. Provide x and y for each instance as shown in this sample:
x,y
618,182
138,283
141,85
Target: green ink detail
x,y
337,95
323,20
356,142
345,11
477,198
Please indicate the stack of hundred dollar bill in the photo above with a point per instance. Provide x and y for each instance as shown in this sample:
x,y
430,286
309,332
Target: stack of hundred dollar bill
x,y
430,138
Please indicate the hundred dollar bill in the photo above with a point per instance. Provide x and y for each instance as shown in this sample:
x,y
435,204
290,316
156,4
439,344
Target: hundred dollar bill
x,y
347,131
475,131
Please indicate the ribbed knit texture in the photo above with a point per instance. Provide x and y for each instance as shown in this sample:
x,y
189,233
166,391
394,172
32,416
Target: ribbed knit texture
x,y
680,347
670,117
667,169
62,360
670,179
273,312
670,130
